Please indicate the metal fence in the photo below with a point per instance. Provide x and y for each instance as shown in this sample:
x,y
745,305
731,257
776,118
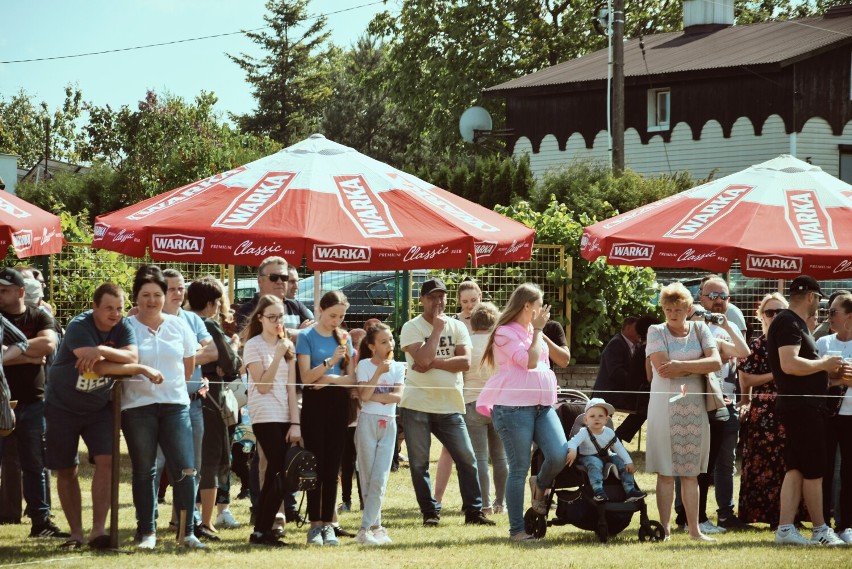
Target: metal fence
x,y
391,296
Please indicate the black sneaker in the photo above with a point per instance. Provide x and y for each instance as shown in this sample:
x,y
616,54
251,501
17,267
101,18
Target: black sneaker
x,y
733,523
205,533
477,518
340,532
48,529
269,539
600,497
635,495
431,519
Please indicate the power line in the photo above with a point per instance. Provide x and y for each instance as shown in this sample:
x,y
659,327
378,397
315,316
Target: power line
x,y
174,42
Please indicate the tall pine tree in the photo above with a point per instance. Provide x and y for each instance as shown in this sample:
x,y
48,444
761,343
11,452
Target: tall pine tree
x,y
292,80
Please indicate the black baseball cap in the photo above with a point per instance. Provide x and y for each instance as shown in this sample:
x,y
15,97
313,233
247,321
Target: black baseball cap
x,y
431,285
11,277
805,283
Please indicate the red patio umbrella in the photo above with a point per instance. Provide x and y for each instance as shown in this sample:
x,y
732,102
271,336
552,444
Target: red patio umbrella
x,y
28,228
320,200
780,219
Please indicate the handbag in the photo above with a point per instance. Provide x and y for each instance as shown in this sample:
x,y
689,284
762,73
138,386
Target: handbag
x,y
230,408
713,397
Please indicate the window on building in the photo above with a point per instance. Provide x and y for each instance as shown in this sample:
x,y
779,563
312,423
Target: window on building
x,y
845,163
659,109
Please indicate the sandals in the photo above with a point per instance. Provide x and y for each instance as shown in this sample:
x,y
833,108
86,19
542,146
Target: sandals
x,y
72,544
540,507
101,542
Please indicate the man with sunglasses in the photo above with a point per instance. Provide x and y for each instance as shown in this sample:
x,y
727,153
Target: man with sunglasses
x,y
272,278
714,298
802,376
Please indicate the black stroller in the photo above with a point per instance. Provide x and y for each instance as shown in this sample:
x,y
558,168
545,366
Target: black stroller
x,y
572,491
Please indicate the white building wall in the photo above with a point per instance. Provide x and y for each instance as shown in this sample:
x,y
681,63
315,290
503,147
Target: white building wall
x,y
712,152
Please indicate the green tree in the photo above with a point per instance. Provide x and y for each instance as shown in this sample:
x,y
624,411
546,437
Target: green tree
x,y
592,189
601,295
24,125
292,81
360,112
164,144
753,11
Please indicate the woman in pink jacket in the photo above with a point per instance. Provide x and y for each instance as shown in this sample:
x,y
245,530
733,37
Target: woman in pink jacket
x,y
519,399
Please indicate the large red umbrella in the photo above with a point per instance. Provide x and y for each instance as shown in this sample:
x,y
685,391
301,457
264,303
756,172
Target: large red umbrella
x,y
781,218
320,200
29,229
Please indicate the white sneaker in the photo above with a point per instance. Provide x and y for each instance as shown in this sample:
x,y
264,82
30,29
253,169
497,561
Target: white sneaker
x,y
846,536
791,537
381,535
707,527
827,537
226,520
148,542
365,537
191,542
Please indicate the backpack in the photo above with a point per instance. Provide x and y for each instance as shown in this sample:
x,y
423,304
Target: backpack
x,y
300,471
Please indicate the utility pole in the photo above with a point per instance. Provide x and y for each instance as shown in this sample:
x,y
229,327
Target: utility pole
x,y
617,87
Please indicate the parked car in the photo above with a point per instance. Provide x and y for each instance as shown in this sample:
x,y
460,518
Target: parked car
x,y
371,294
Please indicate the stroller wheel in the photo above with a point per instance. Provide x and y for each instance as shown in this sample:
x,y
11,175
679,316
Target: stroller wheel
x,y
651,532
602,532
535,524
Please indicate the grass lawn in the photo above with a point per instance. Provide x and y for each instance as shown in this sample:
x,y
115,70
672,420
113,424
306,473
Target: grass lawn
x,y
450,545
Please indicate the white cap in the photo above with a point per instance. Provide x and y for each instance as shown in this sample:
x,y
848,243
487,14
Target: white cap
x,y
598,402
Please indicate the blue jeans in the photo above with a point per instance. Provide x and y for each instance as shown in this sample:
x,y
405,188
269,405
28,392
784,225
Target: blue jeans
x,y
519,427
594,468
168,426
29,430
451,431
196,419
487,445
723,473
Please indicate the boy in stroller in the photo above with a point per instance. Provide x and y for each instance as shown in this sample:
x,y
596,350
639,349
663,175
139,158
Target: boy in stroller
x,y
598,446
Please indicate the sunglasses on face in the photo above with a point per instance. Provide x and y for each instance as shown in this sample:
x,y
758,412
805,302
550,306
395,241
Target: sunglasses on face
x,y
717,295
833,311
275,277
772,312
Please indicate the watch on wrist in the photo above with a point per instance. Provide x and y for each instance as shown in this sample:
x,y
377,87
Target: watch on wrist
x,y
326,363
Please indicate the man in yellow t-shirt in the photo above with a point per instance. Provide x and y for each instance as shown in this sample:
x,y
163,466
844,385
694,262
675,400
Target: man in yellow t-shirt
x,y
437,349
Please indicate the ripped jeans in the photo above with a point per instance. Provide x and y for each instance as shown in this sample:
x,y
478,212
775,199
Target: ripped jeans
x,y
168,426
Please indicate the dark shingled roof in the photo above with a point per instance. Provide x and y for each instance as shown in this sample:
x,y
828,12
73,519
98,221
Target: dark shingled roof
x,y
768,44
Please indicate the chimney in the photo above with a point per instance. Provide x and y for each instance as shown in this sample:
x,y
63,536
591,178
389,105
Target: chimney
x,y
704,16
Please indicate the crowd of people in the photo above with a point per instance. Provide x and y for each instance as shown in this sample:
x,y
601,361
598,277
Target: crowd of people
x,y
481,382
785,409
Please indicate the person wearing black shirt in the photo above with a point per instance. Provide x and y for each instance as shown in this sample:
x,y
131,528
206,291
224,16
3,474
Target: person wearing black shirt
x,y
802,377
25,375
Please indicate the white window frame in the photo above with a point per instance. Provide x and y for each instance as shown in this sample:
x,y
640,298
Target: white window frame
x,y
657,123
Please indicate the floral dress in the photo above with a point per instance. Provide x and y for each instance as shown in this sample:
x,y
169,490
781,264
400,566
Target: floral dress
x,y
763,448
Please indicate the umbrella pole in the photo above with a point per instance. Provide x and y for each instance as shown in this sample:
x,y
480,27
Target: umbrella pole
x,y
116,465
317,290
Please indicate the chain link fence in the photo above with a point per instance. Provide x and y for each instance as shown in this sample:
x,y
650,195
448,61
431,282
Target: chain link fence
x,y
390,296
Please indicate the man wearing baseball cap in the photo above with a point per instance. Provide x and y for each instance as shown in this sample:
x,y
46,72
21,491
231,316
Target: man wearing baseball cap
x,y
802,378
437,350
25,374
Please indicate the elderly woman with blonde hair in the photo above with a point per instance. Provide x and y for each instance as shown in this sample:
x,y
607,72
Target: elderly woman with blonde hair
x,y
678,427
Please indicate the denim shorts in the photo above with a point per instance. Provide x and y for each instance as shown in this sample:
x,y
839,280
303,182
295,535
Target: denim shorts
x,y
64,430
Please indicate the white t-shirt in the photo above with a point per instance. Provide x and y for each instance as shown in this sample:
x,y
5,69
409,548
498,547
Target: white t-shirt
x,y
163,350
435,391
386,384
272,406
476,378
832,344
728,365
